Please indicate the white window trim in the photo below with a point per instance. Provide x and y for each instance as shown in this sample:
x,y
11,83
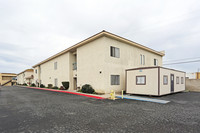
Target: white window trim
x,y
114,52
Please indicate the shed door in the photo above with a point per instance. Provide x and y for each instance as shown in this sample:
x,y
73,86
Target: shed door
x,y
172,82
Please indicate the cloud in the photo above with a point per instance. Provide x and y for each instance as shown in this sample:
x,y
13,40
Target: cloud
x,y
33,30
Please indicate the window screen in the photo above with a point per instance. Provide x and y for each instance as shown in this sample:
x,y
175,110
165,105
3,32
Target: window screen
x,y
165,79
114,52
140,80
115,80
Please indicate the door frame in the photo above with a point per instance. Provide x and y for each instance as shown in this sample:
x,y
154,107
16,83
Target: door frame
x,y
171,87
75,83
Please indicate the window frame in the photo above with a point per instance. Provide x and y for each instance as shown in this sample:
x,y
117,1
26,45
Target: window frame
x,y
140,59
165,76
155,62
143,60
117,82
177,79
141,83
114,51
182,81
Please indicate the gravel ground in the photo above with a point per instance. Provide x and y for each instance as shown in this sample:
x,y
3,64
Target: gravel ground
x,y
30,110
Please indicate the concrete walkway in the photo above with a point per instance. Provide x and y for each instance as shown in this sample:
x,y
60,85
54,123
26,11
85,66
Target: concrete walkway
x,y
139,98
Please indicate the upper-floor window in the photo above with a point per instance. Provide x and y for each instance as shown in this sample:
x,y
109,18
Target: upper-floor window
x,y
55,65
142,59
155,62
36,71
115,80
114,52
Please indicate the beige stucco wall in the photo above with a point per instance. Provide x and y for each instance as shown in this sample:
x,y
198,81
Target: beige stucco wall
x,y
62,73
21,78
193,85
36,76
95,65
129,58
90,61
166,89
6,75
151,86
95,57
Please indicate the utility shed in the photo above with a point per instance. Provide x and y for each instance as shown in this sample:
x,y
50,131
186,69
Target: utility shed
x,y
156,81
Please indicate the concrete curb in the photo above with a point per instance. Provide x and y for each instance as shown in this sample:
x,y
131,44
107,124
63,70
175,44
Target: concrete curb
x,y
75,93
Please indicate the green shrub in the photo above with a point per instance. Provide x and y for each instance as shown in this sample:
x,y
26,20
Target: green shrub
x,y
33,85
87,89
55,87
24,84
42,86
61,88
65,84
79,90
50,85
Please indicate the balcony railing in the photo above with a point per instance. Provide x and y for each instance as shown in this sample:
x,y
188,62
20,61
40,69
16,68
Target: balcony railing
x,y
74,66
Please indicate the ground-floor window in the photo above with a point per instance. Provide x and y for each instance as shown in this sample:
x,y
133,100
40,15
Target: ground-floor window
x,y
115,79
140,80
177,80
182,81
165,79
56,82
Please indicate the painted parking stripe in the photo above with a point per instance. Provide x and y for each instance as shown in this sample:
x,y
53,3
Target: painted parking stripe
x,y
75,93
144,99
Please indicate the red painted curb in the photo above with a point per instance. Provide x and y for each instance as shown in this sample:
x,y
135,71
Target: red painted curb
x,y
81,94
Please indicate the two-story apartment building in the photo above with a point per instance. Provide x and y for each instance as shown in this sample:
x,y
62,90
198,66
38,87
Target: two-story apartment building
x,y
25,77
7,79
100,60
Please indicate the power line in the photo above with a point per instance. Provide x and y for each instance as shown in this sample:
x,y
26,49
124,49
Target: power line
x,y
182,62
182,59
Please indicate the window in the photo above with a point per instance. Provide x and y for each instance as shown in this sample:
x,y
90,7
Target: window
x,y
182,81
165,80
36,71
177,80
140,80
56,82
55,65
155,62
115,80
114,52
142,59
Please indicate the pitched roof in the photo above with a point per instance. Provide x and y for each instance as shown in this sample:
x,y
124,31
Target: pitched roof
x,y
8,74
27,70
96,36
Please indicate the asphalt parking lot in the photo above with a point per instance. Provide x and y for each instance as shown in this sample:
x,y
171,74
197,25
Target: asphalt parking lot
x,y
30,110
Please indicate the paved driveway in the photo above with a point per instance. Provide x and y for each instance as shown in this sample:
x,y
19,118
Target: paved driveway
x,y
30,110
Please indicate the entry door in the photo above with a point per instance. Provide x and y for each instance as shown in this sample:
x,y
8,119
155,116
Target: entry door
x,y
172,82
75,83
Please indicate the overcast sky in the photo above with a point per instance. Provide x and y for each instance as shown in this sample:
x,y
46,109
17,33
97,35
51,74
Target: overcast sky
x,y
33,30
